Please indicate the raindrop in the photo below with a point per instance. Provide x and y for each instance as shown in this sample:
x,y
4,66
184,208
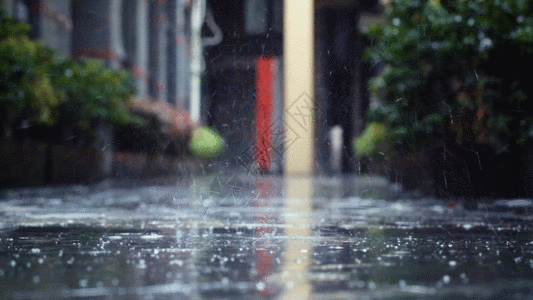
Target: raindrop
x,y
452,263
446,279
260,286
84,283
471,22
396,22
36,279
12,263
402,284
225,281
464,278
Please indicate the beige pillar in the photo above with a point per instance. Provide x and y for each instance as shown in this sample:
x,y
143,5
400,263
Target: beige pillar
x,y
298,45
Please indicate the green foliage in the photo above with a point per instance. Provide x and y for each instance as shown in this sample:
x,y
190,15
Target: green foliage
x,y
37,86
372,142
25,85
95,93
457,71
206,143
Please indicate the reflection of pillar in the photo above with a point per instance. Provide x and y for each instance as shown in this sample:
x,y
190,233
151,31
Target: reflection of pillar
x,y
264,258
296,260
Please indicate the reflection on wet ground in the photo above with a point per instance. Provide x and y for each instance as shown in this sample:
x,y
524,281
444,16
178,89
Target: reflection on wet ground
x,y
229,236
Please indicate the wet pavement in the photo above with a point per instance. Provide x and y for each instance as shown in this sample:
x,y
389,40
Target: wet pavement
x,y
233,236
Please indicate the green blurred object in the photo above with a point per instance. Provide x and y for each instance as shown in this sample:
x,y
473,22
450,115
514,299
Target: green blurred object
x,y
372,141
206,142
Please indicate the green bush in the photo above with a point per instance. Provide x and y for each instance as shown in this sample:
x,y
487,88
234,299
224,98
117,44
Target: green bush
x,y
95,93
456,72
26,90
43,90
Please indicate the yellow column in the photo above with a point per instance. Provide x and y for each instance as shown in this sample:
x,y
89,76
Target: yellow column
x,y
299,91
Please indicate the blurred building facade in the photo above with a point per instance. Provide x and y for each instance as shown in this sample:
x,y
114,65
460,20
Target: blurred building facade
x,y
148,38
152,39
253,29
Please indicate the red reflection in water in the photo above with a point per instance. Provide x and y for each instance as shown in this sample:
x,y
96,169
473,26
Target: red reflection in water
x,y
264,249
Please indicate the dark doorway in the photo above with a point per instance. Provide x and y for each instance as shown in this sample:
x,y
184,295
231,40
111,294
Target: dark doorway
x,y
232,113
342,51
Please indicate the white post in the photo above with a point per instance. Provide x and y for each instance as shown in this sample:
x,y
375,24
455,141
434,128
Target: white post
x,y
197,67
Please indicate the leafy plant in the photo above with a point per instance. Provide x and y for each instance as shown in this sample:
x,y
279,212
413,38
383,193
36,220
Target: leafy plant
x,y
456,72
95,93
26,90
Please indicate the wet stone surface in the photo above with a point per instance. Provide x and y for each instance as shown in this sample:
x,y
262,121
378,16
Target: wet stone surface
x,y
229,236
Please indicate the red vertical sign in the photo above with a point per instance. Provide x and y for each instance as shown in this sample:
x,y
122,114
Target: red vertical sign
x,y
263,111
